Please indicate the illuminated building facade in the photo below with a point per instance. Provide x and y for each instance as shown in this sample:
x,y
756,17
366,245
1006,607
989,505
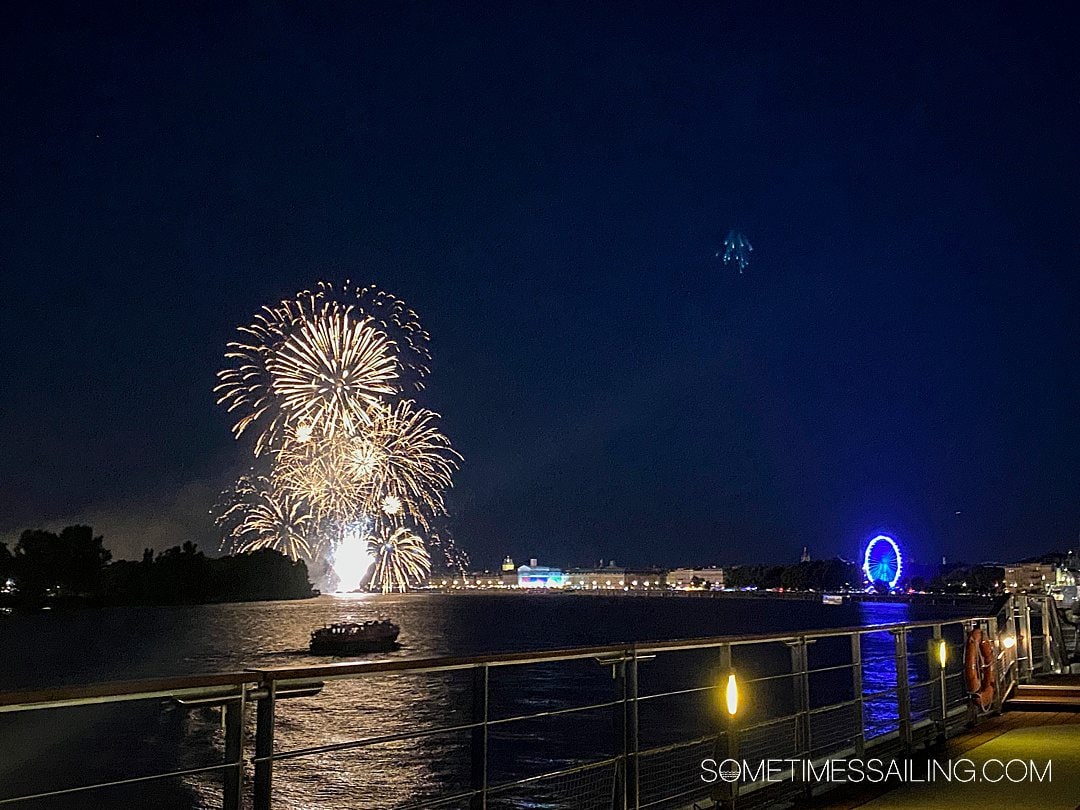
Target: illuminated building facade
x,y
1038,578
614,578
540,576
684,579
508,577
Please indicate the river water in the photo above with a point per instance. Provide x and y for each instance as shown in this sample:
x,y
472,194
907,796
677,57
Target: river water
x,y
49,749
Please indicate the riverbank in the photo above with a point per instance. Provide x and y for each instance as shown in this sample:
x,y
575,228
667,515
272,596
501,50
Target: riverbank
x,y
928,599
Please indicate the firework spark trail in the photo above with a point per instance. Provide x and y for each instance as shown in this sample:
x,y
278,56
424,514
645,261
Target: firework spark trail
x,y
245,387
401,561
260,516
454,557
332,371
413,463
323,471
394,471
393,317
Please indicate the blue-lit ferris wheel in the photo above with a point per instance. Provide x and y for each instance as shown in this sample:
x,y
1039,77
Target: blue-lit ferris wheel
x,y
882,562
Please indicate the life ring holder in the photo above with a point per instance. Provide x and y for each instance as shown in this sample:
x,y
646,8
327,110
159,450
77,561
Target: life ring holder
x,y
979,669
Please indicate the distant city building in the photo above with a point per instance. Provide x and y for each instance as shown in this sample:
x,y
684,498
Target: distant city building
x,y
685,578
471,579
1028,577
540,576
1064,588
509,576
614,577
603,577
1038,578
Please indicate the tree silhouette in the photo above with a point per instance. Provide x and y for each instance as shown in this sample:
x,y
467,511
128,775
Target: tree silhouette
x,y
75,563
7,562
68,564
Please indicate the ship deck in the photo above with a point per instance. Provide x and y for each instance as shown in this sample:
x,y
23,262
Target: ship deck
x,y
1025,735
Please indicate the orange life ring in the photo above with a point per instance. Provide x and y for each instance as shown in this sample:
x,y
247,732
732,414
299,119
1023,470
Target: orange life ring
x,y
979,668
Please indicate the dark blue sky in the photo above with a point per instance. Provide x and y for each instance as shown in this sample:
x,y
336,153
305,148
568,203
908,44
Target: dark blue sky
x,y
547,185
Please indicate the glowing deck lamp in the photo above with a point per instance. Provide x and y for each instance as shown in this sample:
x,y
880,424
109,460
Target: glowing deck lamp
x,y
731,695
942,652
1008,642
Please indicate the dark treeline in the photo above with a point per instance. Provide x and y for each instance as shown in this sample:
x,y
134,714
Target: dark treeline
x,y
962,579
817,575
74,566
837,574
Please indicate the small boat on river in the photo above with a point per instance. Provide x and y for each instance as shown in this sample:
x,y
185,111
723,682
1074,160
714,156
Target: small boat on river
x,y
349,638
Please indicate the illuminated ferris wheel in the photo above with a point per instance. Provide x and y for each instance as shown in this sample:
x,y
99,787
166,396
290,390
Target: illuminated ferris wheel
x,y
882,562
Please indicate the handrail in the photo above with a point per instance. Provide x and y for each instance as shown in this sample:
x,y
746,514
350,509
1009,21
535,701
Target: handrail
x,y
120,691
449,663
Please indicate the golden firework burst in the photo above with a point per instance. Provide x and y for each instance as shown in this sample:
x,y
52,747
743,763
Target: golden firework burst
x,y
263,516
321,471
400,323
401,561
245,386
332,371
414,465
320,377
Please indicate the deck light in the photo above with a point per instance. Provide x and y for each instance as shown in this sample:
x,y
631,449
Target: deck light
x,y
732,695
942,652
1008,642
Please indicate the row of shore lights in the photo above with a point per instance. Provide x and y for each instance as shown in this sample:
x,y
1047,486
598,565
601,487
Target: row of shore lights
x,y
595,584
731,691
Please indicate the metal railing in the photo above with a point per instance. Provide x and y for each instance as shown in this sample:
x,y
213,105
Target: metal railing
x,y
809,695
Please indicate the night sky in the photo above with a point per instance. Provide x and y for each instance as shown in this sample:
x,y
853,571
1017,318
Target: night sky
x,y
547,185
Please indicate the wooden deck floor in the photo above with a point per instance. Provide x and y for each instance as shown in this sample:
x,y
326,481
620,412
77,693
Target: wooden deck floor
x,y
1026,735
1057,680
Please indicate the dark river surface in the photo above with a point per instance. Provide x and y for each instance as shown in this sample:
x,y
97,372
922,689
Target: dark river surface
x,y
50,749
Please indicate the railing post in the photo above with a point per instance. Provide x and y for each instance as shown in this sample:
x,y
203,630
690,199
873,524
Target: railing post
x,y
479,738
939,638
618,716
731,732
632,785
1025,628
1010,665
801,687
800,684
1061,647
233,718
264,746
1048,664
857,693
903,687
998,664
972,711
